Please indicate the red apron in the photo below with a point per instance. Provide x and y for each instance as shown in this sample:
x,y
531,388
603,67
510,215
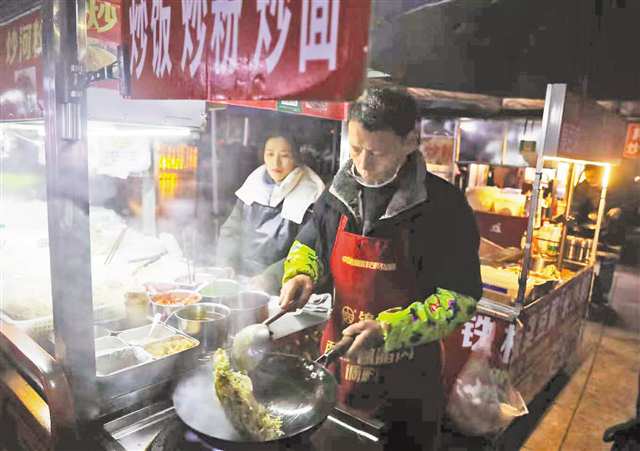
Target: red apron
x,y
371,275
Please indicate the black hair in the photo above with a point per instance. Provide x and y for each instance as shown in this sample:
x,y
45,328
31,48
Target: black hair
x,y
385,109
290,138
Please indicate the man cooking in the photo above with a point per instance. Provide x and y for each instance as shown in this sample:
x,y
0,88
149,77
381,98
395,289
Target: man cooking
x,y
400,248
586,198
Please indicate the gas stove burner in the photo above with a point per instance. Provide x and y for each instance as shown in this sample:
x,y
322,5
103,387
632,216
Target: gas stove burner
x,y
193,438
177,436
342,430
298,443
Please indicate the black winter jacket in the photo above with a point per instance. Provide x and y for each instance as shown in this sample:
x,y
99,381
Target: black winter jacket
x,y
431,215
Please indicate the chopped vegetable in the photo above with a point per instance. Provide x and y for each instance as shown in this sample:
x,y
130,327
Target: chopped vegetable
x,y
171,345
176,298
235,392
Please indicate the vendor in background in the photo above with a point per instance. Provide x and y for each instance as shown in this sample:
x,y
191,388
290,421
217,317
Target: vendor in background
x,y
584,208
273,203
506,177
400,248
586,198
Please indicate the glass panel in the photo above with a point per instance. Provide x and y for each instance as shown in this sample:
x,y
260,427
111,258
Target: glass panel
x,y
522,136
159,195
437,139
25,282
241,135
481,140
260,236
143,202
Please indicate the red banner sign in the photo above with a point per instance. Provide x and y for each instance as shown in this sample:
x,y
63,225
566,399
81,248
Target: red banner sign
x,y
104,23
104,20
632,144
21,56
246,49
21,67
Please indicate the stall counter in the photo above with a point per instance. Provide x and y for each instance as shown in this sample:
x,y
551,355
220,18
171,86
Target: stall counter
x,y
534,342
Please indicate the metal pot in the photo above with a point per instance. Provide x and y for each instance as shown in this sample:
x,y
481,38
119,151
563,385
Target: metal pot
x,y
221,291
249,307
571,248
206,321
206,275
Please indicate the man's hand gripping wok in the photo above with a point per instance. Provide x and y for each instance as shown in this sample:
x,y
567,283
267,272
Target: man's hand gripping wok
x,y
295,293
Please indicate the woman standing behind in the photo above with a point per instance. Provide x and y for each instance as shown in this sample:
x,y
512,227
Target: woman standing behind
x,y
273,204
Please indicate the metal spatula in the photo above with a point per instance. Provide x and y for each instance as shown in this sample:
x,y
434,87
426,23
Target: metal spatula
x,y
250,343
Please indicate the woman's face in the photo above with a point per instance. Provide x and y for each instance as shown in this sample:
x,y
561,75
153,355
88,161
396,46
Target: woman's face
x,y
278,158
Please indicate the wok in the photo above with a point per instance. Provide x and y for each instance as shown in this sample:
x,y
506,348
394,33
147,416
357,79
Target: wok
x,y
300,391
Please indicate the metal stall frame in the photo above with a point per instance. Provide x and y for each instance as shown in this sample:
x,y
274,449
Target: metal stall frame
x,y
58,392
548,143
53,396
65,114
600,217
567,214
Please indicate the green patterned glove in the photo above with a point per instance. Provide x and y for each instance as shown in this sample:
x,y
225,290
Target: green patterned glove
x,y
301,260
424,322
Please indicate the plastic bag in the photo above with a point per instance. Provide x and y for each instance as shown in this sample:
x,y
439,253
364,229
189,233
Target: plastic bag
x,y
482,400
